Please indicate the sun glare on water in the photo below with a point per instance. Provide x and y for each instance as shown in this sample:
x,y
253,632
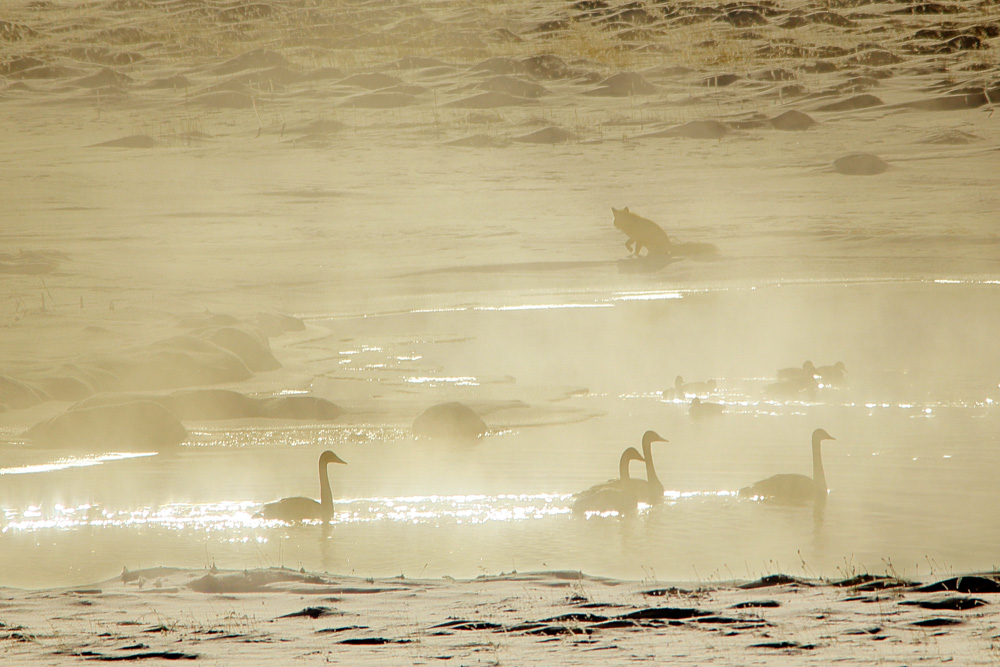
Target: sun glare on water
x,y
242,515
73,462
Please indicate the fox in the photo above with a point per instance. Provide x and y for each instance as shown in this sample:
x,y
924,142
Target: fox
x,y
641,233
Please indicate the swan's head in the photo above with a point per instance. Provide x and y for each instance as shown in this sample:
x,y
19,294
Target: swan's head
x,y
678,381
631,454
650,437
329,457
808,367
840,366
819,435
695,401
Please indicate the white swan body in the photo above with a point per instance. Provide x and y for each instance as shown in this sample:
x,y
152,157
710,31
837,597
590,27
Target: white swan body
x,y
307,509
792,488
616,495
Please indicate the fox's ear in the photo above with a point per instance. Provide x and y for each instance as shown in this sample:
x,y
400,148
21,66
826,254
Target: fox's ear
x,y
625,209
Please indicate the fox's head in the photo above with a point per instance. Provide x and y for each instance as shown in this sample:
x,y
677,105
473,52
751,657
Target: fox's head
x,y
619,214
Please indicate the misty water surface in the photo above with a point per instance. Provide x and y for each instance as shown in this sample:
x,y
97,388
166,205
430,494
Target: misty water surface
x,y
430,272
912,471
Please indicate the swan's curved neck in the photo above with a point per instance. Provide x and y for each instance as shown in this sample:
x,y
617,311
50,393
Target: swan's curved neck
x,y
325,495
623,468
647,453
818,476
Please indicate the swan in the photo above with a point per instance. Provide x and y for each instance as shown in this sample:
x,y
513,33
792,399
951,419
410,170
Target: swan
x,y
304,509
617,495
793,488
649,490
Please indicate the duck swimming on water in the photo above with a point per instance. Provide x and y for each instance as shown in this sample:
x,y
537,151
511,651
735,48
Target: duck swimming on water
x,y
793,488
618,495
803,388
307,509
684,389
804,374
833,374
702,410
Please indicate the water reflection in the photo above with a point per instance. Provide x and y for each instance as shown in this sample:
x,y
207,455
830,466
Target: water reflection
x,y
241,520
73,462
240,515
914,479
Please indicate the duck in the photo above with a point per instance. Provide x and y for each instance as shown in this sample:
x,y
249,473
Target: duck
x,y
832,374
614,496
806,372
684,389
801,388
306,509
792,488
702,410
